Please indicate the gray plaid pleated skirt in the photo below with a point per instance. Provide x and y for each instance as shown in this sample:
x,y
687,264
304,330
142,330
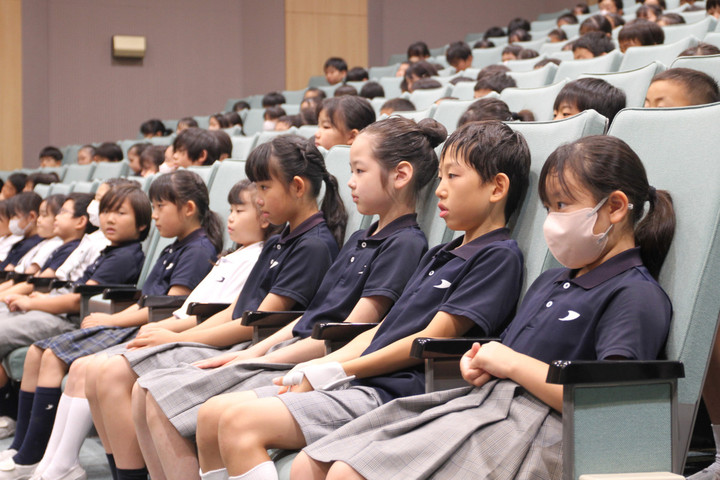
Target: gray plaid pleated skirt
x,y
70,346
496,431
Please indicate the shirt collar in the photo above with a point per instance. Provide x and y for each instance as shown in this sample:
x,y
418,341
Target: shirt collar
x,y
311,222
608,269
194,235
471,248
405,221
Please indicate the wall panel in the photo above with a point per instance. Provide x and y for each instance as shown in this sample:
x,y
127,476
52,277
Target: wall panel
x,y
11,148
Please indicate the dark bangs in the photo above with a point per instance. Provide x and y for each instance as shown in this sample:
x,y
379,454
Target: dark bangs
x,y
258,167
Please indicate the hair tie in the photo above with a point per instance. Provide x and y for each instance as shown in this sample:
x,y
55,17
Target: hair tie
x,y
652,194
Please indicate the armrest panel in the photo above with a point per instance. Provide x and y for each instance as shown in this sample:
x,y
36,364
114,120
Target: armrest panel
x,y
57,283
122,294
426,348
163,301
92,290
41,282
20,277
206,309
585,372
269,319
341,331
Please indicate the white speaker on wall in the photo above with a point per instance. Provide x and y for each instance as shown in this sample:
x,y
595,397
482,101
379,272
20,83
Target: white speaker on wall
x,y
128,46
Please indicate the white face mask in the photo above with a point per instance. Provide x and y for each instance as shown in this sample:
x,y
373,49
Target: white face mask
x,y
93,211
570,236
269,125
15,227
165,168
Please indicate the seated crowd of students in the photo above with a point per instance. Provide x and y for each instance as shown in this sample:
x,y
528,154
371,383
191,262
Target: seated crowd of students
x,y
182,398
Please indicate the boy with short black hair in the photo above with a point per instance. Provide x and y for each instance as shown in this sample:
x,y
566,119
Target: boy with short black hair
x,y
459,56
335,69
50,157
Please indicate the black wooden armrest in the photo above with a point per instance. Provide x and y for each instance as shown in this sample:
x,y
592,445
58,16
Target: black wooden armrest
x,y
269,319
203,311
20,277
91,290
564,372
163,301
129,294
41,282
444,347
5,274
57,283
339,332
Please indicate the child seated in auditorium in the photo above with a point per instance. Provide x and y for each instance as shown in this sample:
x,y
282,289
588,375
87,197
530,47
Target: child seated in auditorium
x,y
217,121
357,74
345,90
185,123
558,35
588,93
314,92
416,71
483,173
701,48
611,6
194,146
507,423
150,160
14,184
272,99
670,19
417,51
152,128
223,144
640,33
591,45
45,178
24,208
681,87
7,238
341,119
648,12
492,109
50,157
713,8
85,155
511,52
335,70
270,117
397,105
108,152
596,23
459,56
496,82
372,90
133,155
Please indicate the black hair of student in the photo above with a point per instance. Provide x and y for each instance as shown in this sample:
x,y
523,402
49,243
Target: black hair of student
x,y
711,4
484,43
497,82
45,178
53,152
153,127
399,105
233,119
309,111
153,155
348,112
545,61
80,205
592,93
618,4
273,98
615,20
421,69
526,53
426,84
223,143
596,42
644,31
672,18
139,147
701,48
90,148
517,23
357,74
316,93
582,7
418,49
458,51
109,150
274,112
457,80
492,70
139,202
399,139
183,186
240,105
494,32
644,12
53,203
235,197
519,35
663,5
194,140
345,90
700,87
486,109
371,90
24,203
603,164
289,156
337,63
513,50
222,121
188,122
569,18
596,23
491,148
558,33
18,180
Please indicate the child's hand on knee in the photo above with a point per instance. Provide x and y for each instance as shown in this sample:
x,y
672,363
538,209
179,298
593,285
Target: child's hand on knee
x,y
96,320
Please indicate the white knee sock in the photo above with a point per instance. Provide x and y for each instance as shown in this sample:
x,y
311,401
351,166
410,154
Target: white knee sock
x,y
221,474
77,427
57,433
264,471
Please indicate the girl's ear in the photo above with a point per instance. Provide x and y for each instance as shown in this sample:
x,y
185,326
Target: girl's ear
x,y
189,209
619,206
402,175
501,187
201,159
298,186
352,135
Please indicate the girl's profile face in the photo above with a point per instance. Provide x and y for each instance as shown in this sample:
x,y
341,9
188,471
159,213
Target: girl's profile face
x,y
245,224
168,220
369,179
273,198
8,191
45,221
558,201
134,160
213,124
64,221
119,225
329,135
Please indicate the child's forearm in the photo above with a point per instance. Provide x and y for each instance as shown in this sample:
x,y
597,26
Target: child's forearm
x,y
532,374
22,288
133,316
262,347
178,325
224,335
57,305
302,351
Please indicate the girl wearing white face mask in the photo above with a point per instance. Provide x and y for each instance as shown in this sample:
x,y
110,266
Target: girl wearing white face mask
x,y
605,306
24,209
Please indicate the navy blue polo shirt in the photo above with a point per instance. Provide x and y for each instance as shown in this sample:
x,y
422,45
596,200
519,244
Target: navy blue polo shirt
x,y
616,309
19,250
480,281
184,263
119,264
60,254
291,264
368,265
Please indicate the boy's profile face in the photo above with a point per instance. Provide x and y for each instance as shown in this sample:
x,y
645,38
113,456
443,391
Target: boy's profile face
x,y
334,76
565,110
582,54
666,93
48,161
84,157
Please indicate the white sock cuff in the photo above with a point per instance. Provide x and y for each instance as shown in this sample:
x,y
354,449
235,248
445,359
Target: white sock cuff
x,y
264,471
221,474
